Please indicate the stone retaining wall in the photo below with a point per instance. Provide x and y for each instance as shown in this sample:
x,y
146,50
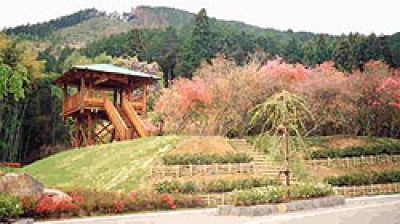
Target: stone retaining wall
x,y
261,210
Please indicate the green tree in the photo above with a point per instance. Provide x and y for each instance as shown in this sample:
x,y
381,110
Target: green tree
x,y
292,51
167,55
19,70
135,42
343,55
283,114
198,47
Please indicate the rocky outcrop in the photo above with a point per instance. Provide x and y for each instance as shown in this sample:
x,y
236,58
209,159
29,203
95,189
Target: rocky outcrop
x,y
21,184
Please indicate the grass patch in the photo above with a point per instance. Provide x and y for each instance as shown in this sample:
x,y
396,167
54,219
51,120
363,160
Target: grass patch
x,y
116,166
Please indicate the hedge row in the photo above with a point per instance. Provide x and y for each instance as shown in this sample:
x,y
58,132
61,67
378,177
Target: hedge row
x,y
389,148
214,186
357,179
89,202
278,194
200,159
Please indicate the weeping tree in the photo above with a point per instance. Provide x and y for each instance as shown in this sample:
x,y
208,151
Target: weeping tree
x,y
281,116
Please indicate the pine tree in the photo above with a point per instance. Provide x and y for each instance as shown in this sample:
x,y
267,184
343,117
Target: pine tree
x,y
199,46
343,55
135,42
167,54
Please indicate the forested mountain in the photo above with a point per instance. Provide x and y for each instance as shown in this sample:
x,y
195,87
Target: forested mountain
x,y
85,26
45,29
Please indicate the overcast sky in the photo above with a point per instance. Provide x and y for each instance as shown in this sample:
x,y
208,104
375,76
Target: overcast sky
x,y
334,16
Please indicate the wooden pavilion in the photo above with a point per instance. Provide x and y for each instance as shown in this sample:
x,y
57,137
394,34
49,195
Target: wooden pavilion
x,y
105,101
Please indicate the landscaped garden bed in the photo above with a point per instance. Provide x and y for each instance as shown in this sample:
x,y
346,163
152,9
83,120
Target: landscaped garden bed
x,y
388,147
357,179
273,199
83,202
213,186
205,159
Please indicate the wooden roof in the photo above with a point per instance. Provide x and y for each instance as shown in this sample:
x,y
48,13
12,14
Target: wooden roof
x,y
113,72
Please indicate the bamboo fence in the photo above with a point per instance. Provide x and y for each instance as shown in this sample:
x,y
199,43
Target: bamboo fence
x,y
178,171
363,190
356,161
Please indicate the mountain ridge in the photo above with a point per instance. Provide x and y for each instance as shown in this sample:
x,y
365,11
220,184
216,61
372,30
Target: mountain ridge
x,y
146,17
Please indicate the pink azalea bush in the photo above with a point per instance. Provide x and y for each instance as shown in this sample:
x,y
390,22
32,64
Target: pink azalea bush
x,y
87,202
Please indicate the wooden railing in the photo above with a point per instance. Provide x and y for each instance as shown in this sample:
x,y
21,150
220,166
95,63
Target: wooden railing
x,y
177,171
72,103
373,189
134,118
356,161
116,119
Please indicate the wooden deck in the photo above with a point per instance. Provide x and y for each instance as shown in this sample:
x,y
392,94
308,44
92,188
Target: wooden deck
x,y
81,101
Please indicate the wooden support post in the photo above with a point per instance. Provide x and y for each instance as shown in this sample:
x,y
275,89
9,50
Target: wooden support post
x,y
144,96
77,133
89,129
121,93
82,95
115,97
91,91
65,95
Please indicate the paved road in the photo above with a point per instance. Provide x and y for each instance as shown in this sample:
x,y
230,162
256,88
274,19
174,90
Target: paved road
x,y
371,210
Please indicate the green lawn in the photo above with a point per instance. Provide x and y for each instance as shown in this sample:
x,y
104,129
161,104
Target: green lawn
x,y
116,166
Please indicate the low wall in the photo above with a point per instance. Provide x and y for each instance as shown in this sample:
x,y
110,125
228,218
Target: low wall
x,y
267,209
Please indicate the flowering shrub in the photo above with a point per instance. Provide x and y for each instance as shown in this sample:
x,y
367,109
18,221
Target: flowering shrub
x,y
91,202
48,206
217,100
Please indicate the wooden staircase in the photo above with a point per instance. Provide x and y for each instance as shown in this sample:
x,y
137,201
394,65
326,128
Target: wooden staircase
x,y
264,165
125,121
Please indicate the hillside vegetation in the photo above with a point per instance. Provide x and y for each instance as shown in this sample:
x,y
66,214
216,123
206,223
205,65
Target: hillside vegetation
x,y
116,166
90,30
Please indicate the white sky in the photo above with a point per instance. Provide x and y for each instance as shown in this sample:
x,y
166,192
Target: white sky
x,y
334,16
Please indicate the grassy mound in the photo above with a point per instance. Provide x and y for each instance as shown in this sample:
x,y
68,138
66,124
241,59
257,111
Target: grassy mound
x,y
205,145
116,166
